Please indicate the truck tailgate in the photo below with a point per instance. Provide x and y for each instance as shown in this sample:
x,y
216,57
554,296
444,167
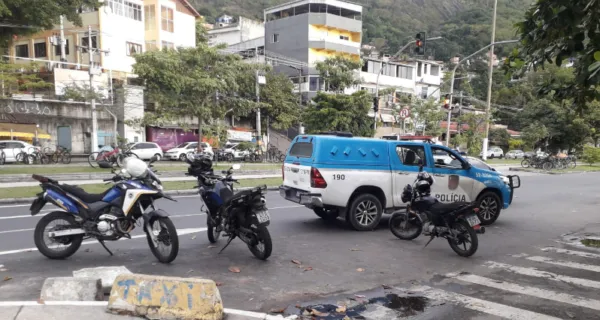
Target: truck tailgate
x,y
296,176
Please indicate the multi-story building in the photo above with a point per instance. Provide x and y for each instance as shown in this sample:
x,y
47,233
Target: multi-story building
x,y
120,29
242,30
310,31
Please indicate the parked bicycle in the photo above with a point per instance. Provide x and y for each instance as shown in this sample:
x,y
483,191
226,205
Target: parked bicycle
x,y
274,155
38,156
61,154
2,157
254,156
114,157
21,156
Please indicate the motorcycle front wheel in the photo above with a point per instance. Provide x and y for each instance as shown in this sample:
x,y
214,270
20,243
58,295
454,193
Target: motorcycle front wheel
x,y
403,228
262,249
467,242
166,236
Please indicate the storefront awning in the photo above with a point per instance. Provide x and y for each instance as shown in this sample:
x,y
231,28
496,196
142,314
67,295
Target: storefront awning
x,y
20,130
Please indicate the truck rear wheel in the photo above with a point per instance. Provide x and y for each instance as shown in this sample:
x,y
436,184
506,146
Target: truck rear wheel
x,y
326,214
365,212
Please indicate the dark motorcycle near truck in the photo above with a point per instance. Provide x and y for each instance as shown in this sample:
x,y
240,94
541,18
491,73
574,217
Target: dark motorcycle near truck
x,y
457,222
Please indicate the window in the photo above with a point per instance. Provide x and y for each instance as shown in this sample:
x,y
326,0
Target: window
x,y
419,66
334,10
168,45
445,159
425,67
150,17
151,45
411,155
39,50
434,70
313,84
424,92
166,15
275,38
287,13
126,9
318,7
344,37
405,72
302,150
22,51
133,48
57,49
301,9
85,42
346,13
365,67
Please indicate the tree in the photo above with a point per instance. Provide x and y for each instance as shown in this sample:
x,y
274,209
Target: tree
x,y
198,82
426,116
340,112
556,30
591,155
201,32
499,137
28,17
515,144
533,134
473,135
338,73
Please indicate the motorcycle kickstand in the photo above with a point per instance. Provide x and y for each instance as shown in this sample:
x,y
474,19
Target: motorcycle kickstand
x,y
428,242
227,244
105,248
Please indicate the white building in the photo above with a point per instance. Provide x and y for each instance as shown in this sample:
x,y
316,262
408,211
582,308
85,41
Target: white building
x,y
232,33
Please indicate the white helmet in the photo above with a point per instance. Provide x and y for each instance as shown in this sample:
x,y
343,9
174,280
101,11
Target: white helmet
x,y
135,167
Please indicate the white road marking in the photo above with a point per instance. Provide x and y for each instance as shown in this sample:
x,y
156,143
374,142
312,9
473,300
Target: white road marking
x,y
496,309
568,264
530,291
180,232
533,272
23,216
572,252
17,230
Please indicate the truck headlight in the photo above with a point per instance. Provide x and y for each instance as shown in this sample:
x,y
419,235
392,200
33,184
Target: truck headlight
x,y
505,179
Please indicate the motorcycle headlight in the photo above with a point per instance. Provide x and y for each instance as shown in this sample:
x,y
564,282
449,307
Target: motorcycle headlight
x,y
157,185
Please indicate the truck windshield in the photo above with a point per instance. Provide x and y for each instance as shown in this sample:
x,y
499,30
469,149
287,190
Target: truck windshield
x,y
302,150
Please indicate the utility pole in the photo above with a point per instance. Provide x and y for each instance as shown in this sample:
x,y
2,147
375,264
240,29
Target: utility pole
x,y
63,42
489,92
91,52
260,79
376,107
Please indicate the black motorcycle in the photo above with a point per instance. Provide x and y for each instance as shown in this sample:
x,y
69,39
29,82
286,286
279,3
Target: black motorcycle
x,y
457,222
244,214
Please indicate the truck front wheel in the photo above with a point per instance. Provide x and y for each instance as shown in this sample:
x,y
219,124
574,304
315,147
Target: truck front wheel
x,y
490,206
365,212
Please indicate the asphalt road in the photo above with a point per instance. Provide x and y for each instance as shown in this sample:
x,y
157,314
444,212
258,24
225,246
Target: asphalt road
x,y
545,207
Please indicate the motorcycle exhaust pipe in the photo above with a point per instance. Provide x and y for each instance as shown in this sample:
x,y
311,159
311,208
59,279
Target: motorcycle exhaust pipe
x,y
481,230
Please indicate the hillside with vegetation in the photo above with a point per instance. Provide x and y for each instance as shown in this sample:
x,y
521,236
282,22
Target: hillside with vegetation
x,y
389,24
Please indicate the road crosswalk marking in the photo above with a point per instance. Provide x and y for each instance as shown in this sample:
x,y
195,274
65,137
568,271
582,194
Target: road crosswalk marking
x,y
492,308
533,272
572,252
569,264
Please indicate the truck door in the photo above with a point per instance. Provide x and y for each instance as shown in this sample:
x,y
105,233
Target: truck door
x,y
452,182
405,165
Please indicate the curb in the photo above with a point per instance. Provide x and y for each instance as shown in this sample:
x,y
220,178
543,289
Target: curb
x,y
170,193
230,314
549,172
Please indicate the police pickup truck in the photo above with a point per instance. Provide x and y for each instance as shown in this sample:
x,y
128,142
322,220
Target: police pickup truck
x,y
361,178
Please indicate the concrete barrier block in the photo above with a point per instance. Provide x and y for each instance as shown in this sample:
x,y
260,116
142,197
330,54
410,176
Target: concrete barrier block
x,y
106,274
158,297
72,289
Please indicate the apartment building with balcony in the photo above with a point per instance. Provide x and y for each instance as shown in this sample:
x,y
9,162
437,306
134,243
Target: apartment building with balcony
x,y
169,24
310,31
242,30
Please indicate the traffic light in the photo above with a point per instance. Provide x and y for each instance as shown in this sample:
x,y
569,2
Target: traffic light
x,y
375,104
420,43
447,102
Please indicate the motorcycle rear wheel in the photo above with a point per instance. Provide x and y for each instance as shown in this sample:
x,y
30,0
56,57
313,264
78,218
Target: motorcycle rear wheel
x,y
72,242
213,235
464,229
409,231
263,249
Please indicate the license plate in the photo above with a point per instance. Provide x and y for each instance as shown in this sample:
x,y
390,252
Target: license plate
x,y
263,216
473,220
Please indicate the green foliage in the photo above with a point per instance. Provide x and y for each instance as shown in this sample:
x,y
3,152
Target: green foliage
x,y
338,73
591,155
473,136
426,115
515,144
340,112
201,32
499,137
533,134
199,82
21,78
245,145
554,31
37,15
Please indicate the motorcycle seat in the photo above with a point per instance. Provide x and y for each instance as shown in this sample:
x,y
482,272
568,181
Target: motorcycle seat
x,y
441,208
81,194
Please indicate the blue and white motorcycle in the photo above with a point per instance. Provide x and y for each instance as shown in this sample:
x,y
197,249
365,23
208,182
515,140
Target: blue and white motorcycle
x,y
107,216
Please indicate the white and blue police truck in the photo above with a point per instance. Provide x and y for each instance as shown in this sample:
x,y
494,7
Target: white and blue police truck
x,y
359,179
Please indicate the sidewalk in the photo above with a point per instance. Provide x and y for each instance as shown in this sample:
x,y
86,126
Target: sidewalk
x,y
34,183
94,310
